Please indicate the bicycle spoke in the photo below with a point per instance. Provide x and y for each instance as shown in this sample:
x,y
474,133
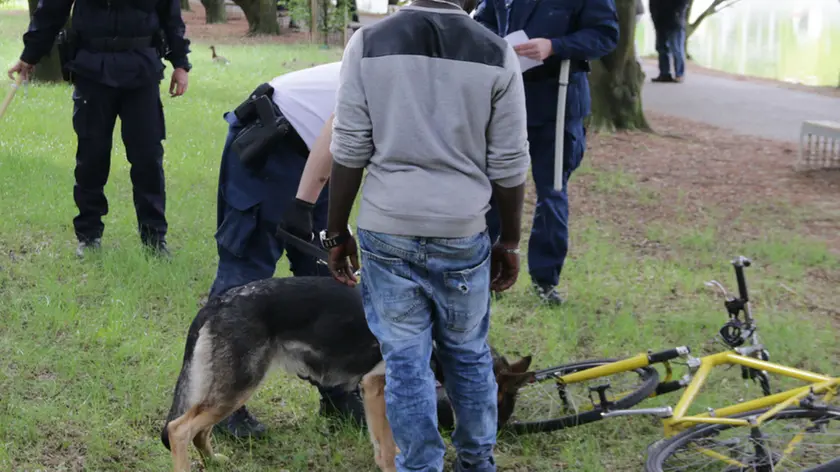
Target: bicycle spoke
x,y
545,400
733,449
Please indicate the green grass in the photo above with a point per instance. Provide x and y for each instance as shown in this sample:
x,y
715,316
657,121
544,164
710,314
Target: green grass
x,y
90,350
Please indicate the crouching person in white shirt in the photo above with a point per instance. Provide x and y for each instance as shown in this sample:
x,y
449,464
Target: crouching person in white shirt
x,y
259,174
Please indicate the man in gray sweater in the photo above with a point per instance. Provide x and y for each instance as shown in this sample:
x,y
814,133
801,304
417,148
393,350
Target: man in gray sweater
x,y
432,104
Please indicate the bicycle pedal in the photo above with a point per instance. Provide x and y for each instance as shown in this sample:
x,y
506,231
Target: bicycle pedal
x,y
602,394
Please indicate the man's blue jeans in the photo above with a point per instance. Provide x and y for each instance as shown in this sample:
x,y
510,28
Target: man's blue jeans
x,y
418,290
671,43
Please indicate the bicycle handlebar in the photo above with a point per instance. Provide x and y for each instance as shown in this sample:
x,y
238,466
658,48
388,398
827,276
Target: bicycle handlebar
x,y
739,264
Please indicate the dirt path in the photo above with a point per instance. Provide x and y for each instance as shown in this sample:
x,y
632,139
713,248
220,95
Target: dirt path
x,y
710,169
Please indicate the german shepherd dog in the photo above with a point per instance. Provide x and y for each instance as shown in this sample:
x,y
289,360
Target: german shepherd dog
x,y
312,327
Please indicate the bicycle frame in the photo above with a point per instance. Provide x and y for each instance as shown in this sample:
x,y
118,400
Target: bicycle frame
x,y
748,357
675,420
817,384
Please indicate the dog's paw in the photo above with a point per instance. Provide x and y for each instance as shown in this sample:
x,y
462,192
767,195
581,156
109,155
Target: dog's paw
x,y
220,458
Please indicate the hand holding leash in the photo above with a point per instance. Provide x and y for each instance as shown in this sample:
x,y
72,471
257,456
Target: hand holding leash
x,y
340,268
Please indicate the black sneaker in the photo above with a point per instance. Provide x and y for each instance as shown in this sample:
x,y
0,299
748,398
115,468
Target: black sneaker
x,y
347,406
242,424
663,78
84,245
548,294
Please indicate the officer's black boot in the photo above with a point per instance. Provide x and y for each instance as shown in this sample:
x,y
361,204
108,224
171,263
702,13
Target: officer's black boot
x,y
242,424
548,294
155,242
337,403
87,244
158,248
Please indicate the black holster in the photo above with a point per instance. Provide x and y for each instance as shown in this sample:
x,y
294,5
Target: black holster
x,y
68,45
160,44
264,128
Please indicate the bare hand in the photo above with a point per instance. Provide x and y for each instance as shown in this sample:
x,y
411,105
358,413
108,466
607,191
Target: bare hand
x,y
504,267
537,49
179,83
340,269
21,68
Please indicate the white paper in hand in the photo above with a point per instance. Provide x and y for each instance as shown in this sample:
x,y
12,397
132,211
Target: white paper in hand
x,y
519,37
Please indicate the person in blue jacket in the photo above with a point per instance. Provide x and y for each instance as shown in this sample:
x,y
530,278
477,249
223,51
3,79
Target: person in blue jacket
x,y
579,30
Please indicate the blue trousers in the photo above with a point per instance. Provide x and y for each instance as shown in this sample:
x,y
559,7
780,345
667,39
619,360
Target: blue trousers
x,y
247,247
549,240
670,43
419,290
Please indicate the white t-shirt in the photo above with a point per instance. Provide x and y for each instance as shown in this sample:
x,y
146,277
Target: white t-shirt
x,y
307,98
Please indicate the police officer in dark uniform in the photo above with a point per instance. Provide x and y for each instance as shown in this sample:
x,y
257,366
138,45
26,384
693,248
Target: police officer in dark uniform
x,y
113,57
579,30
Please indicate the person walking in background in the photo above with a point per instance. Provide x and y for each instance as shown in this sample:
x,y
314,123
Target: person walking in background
x,y
669,22
579,30
432,105
116,71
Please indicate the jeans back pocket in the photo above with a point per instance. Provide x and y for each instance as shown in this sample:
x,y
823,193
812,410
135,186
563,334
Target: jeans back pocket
x,y
467,295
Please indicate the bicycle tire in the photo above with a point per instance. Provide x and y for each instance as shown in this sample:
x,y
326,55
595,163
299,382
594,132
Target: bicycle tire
x,y
661,450
650,379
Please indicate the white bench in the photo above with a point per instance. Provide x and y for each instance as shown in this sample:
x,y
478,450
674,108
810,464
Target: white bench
x,y
819,145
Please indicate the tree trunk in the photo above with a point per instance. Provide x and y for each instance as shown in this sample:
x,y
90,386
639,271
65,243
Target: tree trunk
x,y
261,16
185,5
616,80
214,11
48,70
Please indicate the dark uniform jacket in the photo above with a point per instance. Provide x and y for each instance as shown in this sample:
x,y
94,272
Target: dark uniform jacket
x,y
108,19
580,30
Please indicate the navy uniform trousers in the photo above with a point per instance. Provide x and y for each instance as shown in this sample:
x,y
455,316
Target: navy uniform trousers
x,y
96,107
250,205
114,78
549,240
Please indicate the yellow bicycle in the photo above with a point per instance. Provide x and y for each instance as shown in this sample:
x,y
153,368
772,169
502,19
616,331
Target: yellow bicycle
x,y
793,430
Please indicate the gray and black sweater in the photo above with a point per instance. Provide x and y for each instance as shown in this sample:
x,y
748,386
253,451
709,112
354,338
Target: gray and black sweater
x,y
432,104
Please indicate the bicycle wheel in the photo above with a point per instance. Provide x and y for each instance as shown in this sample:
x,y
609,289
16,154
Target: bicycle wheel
x,y
782,447
576,406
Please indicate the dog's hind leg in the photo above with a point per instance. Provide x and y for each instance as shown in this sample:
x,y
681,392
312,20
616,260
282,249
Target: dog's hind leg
x,y
373,392
202,443
195,425
179,440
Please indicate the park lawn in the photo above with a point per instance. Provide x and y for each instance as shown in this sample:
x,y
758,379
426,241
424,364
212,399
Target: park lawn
x,y
90,350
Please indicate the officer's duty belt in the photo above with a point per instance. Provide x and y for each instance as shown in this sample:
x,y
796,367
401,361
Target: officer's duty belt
x,y
552,71
117,44
265,127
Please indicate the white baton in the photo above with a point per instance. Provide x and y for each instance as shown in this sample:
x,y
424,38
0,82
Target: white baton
x,y
561,124
11,95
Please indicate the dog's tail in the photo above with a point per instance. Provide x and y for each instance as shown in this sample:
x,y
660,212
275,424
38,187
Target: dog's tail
x,y
180,395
